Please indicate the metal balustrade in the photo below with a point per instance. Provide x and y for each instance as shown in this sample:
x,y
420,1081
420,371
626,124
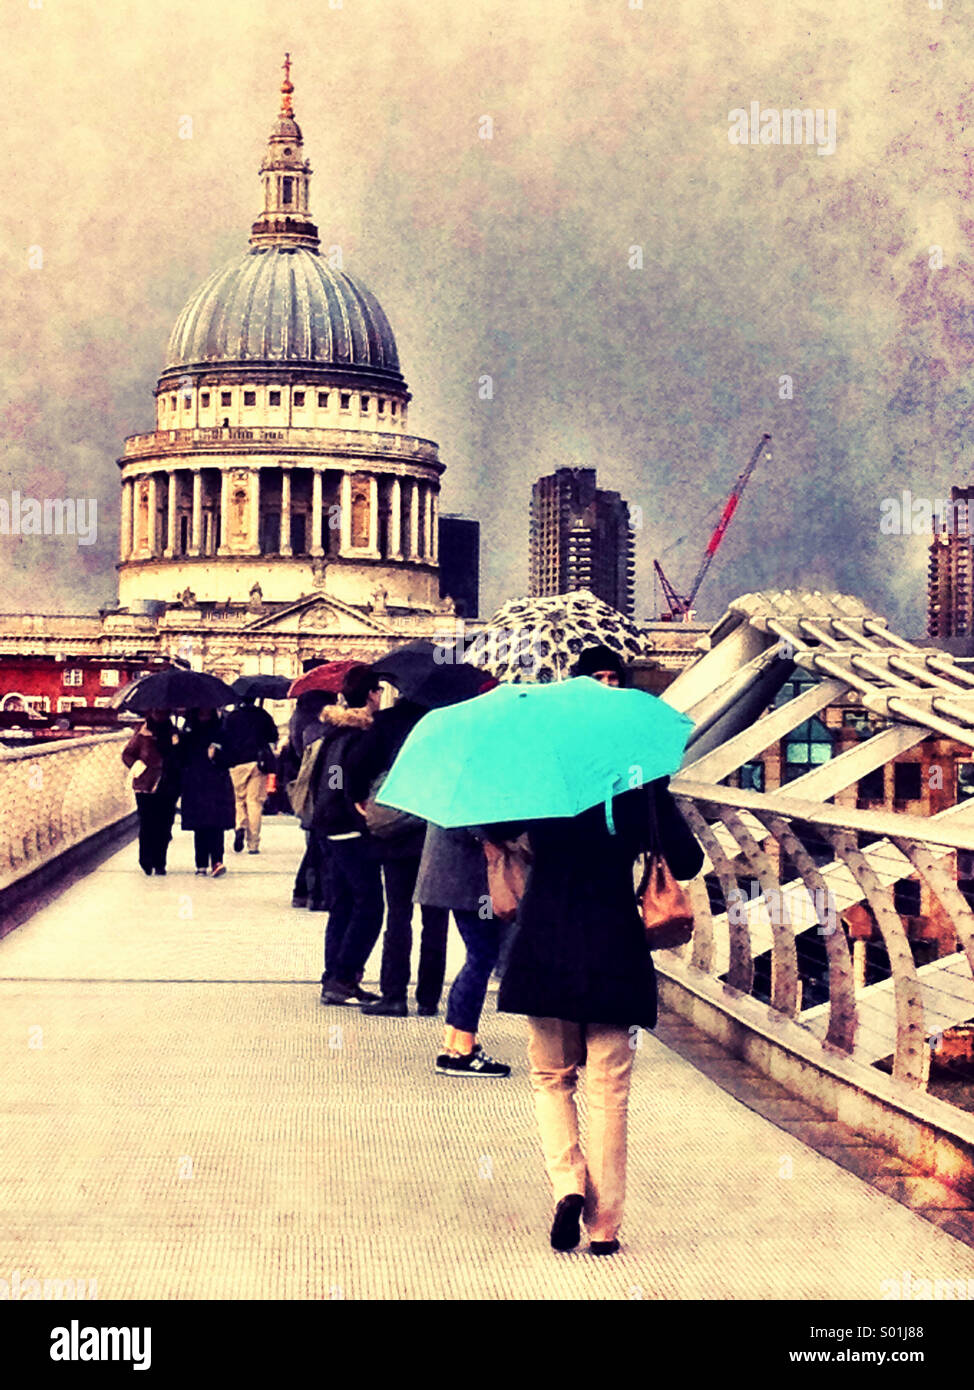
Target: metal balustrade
x,y
53,796
290,439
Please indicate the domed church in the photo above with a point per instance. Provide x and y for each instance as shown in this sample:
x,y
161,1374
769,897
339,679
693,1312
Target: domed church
x,y
281,468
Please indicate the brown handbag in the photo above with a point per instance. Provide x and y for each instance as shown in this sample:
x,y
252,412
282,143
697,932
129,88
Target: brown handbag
x,y
508,865
665,907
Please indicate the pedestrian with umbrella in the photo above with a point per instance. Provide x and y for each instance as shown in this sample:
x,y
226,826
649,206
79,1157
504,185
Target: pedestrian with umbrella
x,y
249,740
206,791
582,769
156,785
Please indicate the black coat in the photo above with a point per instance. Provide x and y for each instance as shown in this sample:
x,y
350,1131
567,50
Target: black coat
x,y
334,807
373,754
206,792
579,949
246,730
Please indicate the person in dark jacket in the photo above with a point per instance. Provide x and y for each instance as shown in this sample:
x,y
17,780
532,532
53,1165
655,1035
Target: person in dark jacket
x,y
247,732
206,792
156,787
355,918
580,968
399,856
310,883
453,874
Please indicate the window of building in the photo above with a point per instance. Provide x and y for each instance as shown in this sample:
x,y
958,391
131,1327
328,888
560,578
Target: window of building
x,y
172,402
40,703
204,399
365,402
752,777
109,676
299,398
906,897
346,401
392,407
287,190
250,398
907,781
872,787
965,782
66,702
275,398
187,402
322,400
806,747
382,406
226,397
74,677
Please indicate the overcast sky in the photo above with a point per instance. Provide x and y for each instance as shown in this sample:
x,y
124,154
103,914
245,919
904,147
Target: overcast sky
x,y
511,256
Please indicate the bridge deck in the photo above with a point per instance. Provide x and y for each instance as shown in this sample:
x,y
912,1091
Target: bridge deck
x,y
181,1118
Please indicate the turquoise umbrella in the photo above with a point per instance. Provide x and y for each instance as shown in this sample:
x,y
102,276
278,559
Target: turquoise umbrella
x,y
524,752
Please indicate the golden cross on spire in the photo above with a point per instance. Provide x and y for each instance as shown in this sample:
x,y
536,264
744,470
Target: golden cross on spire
x,y
287,87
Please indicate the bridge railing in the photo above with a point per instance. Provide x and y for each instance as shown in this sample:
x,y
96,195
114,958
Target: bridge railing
x,y
54,796
770,882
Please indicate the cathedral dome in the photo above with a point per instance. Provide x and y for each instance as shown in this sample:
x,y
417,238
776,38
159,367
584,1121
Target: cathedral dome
x,y
283,304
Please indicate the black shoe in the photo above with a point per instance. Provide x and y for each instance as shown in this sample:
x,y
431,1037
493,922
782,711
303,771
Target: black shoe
x,y
426,1010
202,871
160,871
238,841
297,901
317,907
475,1063
147,872
339,992
388,1008
565,1233
603,1247
253,851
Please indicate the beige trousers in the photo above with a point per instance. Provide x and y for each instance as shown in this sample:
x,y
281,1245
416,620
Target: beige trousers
x,y
249,794
556,1049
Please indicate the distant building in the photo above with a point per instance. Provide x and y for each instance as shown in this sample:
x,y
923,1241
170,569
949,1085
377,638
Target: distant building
x,y
580,539
459,556
950,606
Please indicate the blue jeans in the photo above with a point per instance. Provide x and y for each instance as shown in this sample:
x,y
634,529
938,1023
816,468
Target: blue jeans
x,y
466,999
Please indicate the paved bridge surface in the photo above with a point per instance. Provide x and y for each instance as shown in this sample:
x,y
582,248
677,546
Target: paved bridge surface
x,y
182,1119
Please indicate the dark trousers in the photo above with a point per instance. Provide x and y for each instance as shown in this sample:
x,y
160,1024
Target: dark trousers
x,y
465,1001
156,815
312,880
397,944
355,918
208,845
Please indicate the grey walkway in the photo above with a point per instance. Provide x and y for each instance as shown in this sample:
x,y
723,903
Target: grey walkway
x,y
180,1118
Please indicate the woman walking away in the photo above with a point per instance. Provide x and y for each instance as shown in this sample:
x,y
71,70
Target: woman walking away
x,y
156,787
579,966
206,792
453,874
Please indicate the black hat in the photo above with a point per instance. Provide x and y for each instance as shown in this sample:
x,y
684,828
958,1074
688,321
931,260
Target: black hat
x,y
594,659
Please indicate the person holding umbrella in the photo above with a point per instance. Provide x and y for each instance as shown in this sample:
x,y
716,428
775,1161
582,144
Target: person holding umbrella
x,y
249,739
582,769
156,787
206,792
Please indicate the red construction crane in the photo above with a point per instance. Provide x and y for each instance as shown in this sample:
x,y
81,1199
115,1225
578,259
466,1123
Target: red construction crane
x,y
681,607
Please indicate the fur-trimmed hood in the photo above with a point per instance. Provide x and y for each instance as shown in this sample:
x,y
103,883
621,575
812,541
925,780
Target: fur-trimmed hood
x,y
339,717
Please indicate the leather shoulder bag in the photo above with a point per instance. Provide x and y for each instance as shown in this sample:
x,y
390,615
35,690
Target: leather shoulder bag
x,y
663,903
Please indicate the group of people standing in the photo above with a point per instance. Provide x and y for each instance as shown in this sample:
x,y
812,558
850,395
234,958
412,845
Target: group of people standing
x,y
210,766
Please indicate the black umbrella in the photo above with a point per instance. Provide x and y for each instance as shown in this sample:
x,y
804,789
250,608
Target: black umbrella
x,y
262,687
180,690
444,685
404,666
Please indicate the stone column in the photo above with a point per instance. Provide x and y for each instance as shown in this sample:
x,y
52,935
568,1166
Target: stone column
x,y
254,527
284,544
435,533
316,548
152,520
196,533
414,522
373,514
171,517
395,520
224,512
125,528
345,543
427,522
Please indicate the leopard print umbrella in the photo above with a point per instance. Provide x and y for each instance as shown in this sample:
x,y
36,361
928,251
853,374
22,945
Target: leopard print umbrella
x,y
540,639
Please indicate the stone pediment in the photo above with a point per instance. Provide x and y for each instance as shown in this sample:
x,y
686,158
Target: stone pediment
x,y
322,615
